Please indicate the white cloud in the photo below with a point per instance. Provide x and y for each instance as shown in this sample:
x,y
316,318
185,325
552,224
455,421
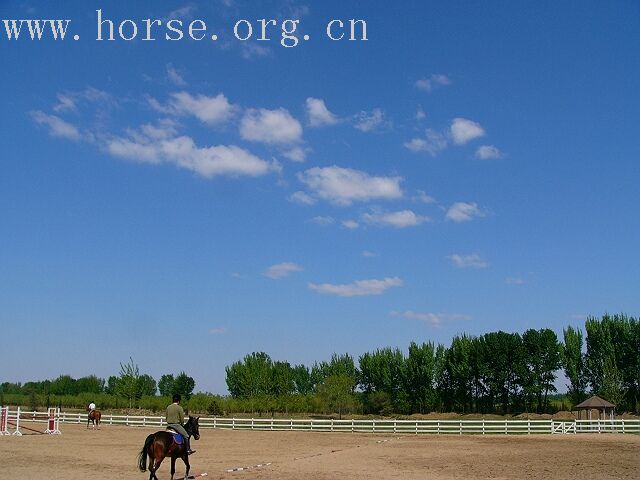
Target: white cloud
x,y
357,288
182,13
416,145
212,161
182,151
434,319
514,281
66,102
282,270
174,76
133,150
433,143
368,254
251,50
70,101
164,129
432,82
344,186
270,126
57,126
369,121
420,114
421,196
218,331
301,198
350,224
400,219
468,261
210,110
463,130
296,154
485,152
323,221
463,212
319,114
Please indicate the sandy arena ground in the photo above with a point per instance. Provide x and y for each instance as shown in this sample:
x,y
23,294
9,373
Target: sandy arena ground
x,y
111,452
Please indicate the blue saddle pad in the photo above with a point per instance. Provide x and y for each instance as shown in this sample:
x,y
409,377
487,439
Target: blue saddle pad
x,y
177,438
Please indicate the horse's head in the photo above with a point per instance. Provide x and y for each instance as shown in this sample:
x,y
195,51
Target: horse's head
x,y
192,427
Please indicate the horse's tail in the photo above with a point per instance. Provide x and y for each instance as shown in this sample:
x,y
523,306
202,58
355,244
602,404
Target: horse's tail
x,y
142,457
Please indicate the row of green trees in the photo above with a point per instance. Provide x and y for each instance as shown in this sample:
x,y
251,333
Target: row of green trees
x,y
130,385
497,372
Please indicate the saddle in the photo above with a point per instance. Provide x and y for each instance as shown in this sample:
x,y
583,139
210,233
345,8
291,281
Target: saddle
x,y
179,439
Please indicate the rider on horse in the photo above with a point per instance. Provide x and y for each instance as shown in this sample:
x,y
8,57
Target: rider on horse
x,y
91,408
175,421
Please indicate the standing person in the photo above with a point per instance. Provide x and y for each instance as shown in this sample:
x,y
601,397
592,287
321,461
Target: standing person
x,y
175,420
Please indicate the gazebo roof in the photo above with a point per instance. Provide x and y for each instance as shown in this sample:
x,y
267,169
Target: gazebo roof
x,y
595,402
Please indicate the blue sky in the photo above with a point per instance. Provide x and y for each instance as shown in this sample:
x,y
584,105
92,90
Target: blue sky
x,y
472,167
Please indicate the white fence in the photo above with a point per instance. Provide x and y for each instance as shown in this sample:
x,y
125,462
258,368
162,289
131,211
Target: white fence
x,y
459,427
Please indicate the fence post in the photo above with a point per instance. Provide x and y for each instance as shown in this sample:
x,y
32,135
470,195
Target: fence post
x,y
374,426
17,432
528,426
332,424
460,427
483,425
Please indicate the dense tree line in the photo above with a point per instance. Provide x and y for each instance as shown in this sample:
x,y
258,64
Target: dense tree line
x,y
497,372
129,389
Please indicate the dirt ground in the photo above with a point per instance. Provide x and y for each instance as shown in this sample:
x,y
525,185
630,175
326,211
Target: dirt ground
x,y
111,452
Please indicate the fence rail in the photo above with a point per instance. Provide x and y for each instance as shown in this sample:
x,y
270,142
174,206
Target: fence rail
x,y
459,427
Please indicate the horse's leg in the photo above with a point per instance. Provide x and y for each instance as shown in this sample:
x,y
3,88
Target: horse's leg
x,y
152,463
173,466
156,466
185,459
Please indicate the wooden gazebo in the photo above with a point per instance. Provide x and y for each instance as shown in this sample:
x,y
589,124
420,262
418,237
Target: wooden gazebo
x,y
597,403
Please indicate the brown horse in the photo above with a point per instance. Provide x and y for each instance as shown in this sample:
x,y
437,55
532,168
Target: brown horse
x,y
162,444
94,416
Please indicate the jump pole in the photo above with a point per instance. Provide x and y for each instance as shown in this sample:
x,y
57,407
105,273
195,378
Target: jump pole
x,y
4,417
17,432
53,421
